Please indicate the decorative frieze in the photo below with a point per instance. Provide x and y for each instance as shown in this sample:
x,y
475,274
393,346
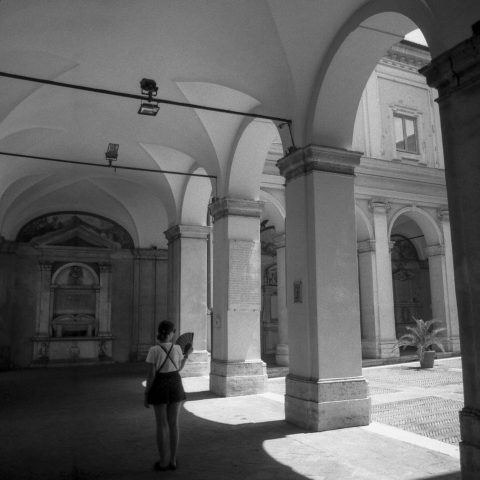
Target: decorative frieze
x,y
318,158
224,207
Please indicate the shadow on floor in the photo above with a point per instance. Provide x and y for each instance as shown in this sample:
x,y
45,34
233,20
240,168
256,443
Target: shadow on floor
x,y
89,423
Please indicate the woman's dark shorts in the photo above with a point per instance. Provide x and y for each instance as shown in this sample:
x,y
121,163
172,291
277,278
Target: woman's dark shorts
x,y
166,388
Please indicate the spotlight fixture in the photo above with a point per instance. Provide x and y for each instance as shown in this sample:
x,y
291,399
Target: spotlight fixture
x,y
149,88
111,154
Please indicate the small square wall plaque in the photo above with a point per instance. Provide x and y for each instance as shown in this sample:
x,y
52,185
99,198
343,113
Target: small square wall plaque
x,y
297,292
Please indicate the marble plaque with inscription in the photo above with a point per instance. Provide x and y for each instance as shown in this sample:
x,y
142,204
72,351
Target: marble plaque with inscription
x,y
245,278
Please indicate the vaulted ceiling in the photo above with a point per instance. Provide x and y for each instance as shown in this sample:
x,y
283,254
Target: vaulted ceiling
x,y
302,60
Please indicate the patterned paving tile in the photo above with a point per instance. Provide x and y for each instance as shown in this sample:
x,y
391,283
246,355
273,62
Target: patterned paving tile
x,y
375,390
432,417
411,376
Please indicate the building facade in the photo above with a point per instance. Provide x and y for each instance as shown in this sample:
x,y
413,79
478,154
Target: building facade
x,y
405,258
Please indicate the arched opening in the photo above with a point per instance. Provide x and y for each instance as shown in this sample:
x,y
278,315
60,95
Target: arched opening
x,y
411,283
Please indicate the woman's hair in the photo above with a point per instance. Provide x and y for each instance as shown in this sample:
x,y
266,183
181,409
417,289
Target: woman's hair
x,y
164,329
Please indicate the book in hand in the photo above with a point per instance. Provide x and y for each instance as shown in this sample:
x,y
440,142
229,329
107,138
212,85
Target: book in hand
x,y
185,340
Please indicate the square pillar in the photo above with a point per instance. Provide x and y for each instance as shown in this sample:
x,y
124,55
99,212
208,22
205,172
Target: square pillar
x,y
456,76
187,290
236,366
325,388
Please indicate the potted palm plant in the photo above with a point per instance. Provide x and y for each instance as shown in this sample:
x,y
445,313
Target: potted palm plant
x,y
423,336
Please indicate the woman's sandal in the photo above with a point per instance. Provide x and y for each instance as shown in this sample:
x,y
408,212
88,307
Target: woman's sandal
x,y
159,468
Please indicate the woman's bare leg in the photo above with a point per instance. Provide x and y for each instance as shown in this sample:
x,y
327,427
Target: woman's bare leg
x,y
162,434
173,415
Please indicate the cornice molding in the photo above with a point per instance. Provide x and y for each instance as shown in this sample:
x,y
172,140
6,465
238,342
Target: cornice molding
x,y
366,246
187,231
455,69
318,158
407,57
225,207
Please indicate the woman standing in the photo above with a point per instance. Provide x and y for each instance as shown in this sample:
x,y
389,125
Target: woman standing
x,y
165,392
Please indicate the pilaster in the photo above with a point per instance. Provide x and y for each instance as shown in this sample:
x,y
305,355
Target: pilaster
x,y
325,389
236,366
450,298
281,353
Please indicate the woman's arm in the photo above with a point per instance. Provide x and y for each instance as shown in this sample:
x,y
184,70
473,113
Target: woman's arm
x,y
150,377
185,358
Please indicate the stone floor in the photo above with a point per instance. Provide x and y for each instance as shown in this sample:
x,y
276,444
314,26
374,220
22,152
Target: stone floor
x,y
89,423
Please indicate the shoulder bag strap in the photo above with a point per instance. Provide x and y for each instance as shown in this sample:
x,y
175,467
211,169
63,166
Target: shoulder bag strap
x,y
166,358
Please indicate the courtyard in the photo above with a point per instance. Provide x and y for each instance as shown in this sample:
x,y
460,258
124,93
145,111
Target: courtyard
x,y
88,422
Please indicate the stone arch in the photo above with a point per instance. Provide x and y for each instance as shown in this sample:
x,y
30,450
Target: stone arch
x,y
351,57
417,267
429,227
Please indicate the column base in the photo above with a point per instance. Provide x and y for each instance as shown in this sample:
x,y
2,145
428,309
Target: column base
x,y
229,379
282,355
470,444
197,365
382,349
331,404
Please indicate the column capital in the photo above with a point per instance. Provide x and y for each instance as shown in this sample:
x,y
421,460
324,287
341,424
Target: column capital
x,y
279,240
443,214
318,158
379,205
455,69
435,250
224,207
200,232
366,246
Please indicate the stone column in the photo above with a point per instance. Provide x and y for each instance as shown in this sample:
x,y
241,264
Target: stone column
x,y
187,290
456,76
236,366
325,388
449,296
281,353
376,288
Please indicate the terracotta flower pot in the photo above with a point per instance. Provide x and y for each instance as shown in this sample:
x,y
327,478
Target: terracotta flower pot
x,y
428,359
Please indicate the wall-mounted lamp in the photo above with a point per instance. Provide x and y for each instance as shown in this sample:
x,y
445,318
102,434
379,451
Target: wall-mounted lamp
x,y
111,154
149,88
